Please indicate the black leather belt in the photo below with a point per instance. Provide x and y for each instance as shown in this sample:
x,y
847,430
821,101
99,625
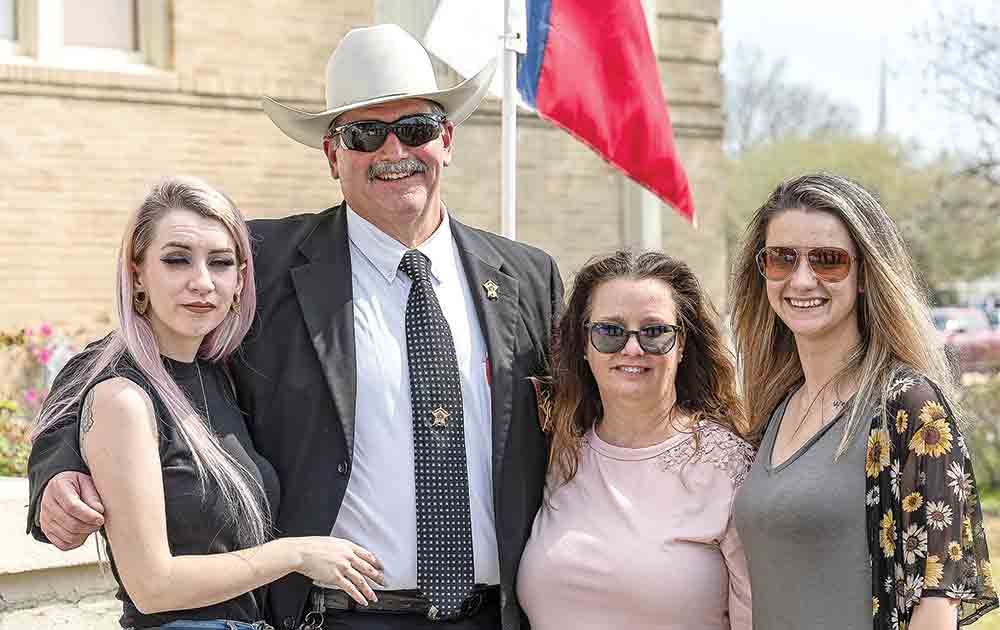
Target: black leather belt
x,y
410,601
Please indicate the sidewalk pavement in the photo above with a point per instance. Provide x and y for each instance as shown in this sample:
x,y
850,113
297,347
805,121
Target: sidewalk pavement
x,y
21,552
42,587
90,613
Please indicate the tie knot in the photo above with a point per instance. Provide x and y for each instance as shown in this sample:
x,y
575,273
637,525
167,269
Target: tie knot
x,y
415,265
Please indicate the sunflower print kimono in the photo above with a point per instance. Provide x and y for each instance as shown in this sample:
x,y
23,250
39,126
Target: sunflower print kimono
x,y
925,526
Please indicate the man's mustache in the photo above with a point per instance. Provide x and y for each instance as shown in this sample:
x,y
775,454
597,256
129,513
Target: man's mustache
x,y
406,166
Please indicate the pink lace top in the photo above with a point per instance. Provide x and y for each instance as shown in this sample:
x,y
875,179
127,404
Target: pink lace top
x,y
641,539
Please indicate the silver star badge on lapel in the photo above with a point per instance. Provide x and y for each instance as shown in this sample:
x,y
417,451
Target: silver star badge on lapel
x,y
491,289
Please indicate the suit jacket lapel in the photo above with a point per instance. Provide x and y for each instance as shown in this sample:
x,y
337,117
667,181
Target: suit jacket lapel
x,y
497,318
324,290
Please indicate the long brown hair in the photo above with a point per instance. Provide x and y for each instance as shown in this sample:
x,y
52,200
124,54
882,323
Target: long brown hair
x,y
706,377
893,315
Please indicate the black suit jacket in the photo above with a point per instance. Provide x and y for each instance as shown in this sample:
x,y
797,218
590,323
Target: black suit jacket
x,y
297,378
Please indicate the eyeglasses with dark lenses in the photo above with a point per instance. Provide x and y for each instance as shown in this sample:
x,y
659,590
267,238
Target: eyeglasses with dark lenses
x,y
608,338
368,135
829,264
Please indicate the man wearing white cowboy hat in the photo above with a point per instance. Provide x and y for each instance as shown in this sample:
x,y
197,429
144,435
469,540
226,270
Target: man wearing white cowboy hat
x,y
387,374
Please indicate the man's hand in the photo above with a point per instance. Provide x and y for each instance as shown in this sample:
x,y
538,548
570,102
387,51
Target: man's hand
x,y
70,510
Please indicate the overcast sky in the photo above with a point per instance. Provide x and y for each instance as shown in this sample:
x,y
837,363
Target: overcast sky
x,y
837,47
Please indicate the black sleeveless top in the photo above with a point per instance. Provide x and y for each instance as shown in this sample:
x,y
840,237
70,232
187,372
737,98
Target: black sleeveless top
x,y
198,523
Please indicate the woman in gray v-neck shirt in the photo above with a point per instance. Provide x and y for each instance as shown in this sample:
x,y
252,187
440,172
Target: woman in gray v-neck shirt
x,y
806,518
862,515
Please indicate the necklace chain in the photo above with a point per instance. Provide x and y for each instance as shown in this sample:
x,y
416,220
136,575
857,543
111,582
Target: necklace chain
x,y
204,396
837,404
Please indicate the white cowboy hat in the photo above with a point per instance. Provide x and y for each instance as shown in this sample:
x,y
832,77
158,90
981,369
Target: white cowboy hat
x,y
373,65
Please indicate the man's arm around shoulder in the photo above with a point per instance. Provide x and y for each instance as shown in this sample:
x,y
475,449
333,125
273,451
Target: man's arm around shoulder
x,y
63,507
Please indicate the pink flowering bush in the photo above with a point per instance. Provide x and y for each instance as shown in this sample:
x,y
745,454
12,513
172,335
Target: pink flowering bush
x,y
29,360
43,349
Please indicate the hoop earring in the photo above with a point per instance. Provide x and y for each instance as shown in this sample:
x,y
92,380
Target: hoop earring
x,y
234,306
140,302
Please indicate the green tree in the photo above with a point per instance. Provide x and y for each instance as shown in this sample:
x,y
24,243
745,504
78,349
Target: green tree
x,y
948,220
982,415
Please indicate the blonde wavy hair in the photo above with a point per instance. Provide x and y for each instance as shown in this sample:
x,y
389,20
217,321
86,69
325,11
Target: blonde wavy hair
x,y
893,314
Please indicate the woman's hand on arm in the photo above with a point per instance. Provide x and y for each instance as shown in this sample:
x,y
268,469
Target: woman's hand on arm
x,y
118,435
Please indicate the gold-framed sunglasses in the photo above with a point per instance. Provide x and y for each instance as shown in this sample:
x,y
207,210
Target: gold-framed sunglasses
x,y
829,264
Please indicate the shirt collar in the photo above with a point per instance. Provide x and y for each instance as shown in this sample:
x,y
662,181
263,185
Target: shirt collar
x,y
385,252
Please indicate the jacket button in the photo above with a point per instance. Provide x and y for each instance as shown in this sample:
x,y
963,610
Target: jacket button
x,y
342,467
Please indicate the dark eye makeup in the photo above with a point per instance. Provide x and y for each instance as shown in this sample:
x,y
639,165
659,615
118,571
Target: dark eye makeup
x,y
175,260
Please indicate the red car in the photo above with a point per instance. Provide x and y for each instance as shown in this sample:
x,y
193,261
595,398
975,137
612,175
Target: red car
x,y
969,338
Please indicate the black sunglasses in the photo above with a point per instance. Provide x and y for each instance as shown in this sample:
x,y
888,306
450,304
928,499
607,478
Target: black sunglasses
x,y
368,135
608,338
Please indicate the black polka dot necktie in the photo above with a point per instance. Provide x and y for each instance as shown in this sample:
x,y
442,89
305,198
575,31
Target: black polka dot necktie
x,y
445,572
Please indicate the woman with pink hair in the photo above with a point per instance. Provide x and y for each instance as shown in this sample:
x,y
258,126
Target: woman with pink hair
x,y
187,499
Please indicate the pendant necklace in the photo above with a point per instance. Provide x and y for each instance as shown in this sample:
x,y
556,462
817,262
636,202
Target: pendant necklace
x,y
204,396
837,404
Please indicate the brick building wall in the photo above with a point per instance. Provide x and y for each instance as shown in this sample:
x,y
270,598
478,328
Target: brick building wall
x,y
80,148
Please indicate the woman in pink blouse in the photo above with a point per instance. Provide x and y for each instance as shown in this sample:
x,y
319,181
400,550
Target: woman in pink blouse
x,y
636,531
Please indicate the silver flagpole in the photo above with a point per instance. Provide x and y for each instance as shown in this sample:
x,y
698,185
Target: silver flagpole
x,y
508,167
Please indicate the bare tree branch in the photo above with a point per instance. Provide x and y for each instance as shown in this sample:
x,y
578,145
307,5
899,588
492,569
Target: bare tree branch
x,y
964,45
763,105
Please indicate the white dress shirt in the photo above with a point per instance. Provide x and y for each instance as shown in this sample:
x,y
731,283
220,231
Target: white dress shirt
x,y
379,508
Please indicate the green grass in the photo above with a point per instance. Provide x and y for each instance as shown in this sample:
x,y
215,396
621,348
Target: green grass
x,y
992,522
990,500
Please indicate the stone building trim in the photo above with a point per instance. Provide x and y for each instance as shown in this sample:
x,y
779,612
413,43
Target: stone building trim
x,y
41,42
